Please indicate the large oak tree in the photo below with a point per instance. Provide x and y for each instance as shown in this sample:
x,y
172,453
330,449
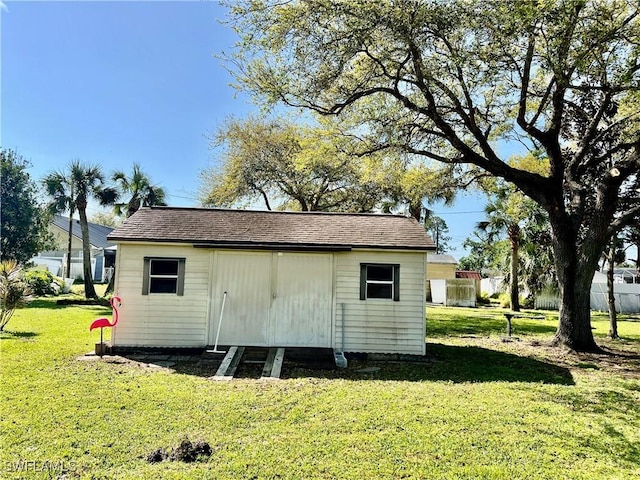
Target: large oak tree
x,y
457,80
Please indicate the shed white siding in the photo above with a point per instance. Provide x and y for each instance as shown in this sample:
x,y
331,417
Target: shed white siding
x,y
377,325
162,319
288,299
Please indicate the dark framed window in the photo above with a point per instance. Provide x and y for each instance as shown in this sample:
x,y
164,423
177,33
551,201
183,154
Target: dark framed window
x,y
163,275
380,280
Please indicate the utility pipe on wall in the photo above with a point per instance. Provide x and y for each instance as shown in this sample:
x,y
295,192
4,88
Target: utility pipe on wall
x,y
339,358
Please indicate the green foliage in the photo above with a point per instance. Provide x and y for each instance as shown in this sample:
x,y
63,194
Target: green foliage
x,y
438,229
71,190
107,219
24,225
14,290
42,282
140,190
314,168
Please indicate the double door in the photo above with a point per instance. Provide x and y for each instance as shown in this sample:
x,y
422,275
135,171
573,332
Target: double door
x,y
273,299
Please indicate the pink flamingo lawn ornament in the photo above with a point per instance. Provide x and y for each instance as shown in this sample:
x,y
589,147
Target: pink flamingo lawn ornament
x,y
104,322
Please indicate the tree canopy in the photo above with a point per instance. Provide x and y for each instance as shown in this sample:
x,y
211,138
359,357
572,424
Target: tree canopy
x,y
71,189
454,81
139,189
25,221
314,167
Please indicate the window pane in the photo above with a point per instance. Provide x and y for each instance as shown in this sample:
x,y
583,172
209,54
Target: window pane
x,y
379,290
164,267
380,272
163,285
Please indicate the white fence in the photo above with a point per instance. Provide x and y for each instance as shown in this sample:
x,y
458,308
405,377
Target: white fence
x,y
627,297
454,292
55,266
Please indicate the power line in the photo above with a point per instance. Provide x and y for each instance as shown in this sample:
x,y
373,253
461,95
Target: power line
x,y
459,213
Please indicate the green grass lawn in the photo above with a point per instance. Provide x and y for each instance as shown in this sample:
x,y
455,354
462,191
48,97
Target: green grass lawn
x,y
479,408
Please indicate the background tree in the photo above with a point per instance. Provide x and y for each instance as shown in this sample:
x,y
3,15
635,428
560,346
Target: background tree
x,y
139,190
613,255
108,219
313,168
73,189
510,212
451,81
486,256
24,221
504,218
284,166
60,189
438,229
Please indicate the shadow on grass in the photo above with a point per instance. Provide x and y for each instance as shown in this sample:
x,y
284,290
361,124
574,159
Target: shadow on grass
x,y
456,364
51,303
484,324
8,334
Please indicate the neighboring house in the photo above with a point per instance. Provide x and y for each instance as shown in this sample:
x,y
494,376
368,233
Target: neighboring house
x,y
444,286
101,255
472,274
441,266
292,279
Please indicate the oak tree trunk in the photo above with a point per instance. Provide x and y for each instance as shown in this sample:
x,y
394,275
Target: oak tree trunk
x,y
575,267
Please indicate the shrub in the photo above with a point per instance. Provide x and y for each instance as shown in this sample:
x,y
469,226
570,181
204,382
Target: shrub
x,y
484,299
14,290
42,282
505,301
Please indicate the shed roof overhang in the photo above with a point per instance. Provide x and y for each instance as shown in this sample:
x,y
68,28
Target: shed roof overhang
x,y
275,247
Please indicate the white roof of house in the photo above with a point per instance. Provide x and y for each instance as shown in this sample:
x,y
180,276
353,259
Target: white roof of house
x,y
441,258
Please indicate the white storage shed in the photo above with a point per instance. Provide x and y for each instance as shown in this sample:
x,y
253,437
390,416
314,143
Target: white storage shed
x,y
291,280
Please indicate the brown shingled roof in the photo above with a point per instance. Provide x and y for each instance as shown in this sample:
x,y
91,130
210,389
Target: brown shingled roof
x,y
265,229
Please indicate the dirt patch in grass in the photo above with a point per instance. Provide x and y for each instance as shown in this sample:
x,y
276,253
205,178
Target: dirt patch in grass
x,y
614,360
187,452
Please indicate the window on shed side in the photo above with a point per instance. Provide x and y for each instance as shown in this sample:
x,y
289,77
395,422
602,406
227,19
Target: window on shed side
x,y
163,275
379,281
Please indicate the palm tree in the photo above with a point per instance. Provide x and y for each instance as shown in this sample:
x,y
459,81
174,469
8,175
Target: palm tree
x,y
497,223
59,187
141,192
82,183
507,212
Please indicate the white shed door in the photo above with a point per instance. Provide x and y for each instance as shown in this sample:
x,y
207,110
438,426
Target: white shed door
x,y
273,299
246,278
301,311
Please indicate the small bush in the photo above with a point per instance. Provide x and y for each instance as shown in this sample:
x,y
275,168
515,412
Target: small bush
x,y
14,290
42,283
483,299
505,301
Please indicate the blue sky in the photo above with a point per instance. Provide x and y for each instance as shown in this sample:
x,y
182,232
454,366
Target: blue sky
x,y
113,83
